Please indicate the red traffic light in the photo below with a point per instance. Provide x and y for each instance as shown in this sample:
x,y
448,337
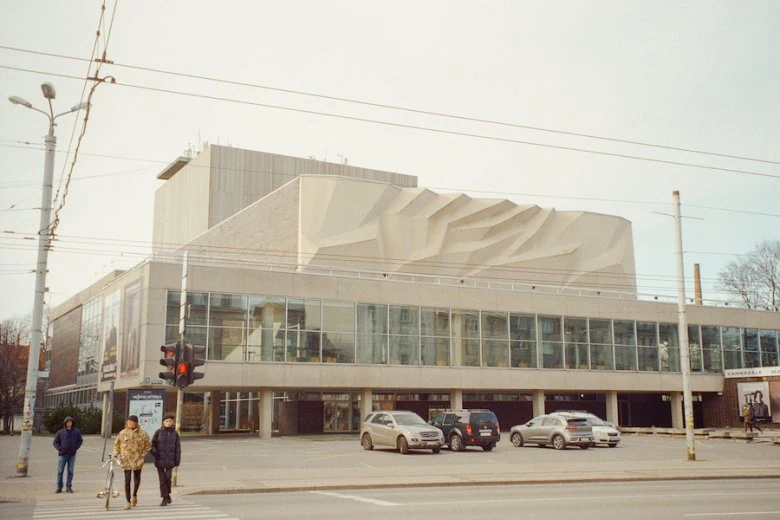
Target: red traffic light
x,y
182,369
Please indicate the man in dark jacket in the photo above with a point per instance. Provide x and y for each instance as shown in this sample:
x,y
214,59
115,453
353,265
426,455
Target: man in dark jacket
x,y
166,450
67,441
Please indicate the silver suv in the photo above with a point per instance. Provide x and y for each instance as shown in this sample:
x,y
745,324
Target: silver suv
x,y
400,430
560,430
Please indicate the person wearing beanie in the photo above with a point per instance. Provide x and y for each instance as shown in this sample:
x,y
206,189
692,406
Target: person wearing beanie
x,y
67,442
166,450
131,445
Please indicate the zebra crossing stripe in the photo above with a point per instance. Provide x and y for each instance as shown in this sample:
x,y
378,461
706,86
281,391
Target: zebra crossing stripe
x,y
95,509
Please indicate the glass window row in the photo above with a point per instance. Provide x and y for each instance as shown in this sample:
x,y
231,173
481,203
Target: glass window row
x,y
245,328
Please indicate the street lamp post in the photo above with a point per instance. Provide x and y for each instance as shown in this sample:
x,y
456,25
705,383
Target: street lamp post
x,y
40,274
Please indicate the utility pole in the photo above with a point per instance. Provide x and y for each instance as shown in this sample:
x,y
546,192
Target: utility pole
x,y
31,385
182,329
685,364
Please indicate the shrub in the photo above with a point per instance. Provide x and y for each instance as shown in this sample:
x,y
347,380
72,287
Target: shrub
x,y
54,418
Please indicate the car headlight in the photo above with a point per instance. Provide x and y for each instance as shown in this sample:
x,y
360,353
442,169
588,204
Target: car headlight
x,y
414,439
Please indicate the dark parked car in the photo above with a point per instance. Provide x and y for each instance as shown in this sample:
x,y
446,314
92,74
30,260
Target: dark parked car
x,y
464,428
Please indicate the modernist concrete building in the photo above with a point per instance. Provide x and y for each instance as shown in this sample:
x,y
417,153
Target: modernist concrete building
x,y
323,291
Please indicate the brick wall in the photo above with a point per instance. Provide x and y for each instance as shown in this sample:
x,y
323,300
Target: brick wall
x,y
721,411
65,349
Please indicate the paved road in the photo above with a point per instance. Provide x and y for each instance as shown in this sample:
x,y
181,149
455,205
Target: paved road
x,y
684,500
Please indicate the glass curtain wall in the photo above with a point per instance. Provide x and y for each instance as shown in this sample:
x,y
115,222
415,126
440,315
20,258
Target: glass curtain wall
x,y
601,342
625,345
575,337
712,354
769,355
732,347
197,322
465,338
522,336
495,340
227,325
435,337
89,342
551,341
265,333
751,353
404,335
372,334
694,348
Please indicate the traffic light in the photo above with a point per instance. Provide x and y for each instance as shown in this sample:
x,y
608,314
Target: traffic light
x,y
194,356
170,360
182,371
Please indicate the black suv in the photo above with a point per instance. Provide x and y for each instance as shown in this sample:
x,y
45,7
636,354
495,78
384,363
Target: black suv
x,y
464,428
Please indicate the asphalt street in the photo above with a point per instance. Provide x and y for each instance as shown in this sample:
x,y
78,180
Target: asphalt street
x,y
684,500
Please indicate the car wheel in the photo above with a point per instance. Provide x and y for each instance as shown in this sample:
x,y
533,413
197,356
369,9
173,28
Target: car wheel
x,y
436,450
403,446
558,442
456,443
517,440
584,446
488,447
366,442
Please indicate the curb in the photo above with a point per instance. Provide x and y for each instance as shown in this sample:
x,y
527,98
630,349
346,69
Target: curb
x,y
336,487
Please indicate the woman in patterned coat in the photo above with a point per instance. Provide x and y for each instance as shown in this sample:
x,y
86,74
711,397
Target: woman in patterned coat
x,y
131,445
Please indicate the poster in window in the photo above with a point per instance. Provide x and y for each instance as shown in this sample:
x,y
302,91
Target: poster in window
x,y
131,328
774,402
755,395
109,337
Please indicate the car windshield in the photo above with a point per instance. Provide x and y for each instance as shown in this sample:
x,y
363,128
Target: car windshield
x,y
408,419
595,421
486,418
578,422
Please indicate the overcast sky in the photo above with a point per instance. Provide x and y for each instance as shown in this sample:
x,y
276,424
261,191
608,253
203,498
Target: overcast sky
x,y
700,75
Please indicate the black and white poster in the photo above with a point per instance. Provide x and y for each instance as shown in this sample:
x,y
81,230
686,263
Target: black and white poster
x,y
755,395
131,331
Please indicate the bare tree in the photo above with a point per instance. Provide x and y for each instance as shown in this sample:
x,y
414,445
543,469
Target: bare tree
x,y
13,369
754,279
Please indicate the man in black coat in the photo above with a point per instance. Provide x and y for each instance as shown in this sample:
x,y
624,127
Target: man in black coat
x,y
67,441
166,450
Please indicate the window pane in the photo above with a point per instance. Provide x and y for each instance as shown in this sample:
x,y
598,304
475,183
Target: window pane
x,y
648,359
494,325
372,349
732,359
600,333
227,310
465,351
647,334
303,314
522,327
710,337
465,324
495,353
750,340
669,357
265,334
769,359
435,322
625,357
523,354
667,334
550,328
172,308
338,347
195,335
403,320
752,359
338,317
624,333
226,344
731,339
552,354
435,351
768,348
577,355
403,349
695,348
198,303
371,319
575,333
712,361
302,346
601,357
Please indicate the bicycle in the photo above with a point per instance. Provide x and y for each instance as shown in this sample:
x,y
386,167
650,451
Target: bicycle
x,y
109,491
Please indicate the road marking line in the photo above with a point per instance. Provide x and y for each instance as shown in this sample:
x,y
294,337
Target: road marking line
x,y
356,498
738,513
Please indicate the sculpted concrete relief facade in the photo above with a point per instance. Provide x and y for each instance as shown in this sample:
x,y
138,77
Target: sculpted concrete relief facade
x,y
383,227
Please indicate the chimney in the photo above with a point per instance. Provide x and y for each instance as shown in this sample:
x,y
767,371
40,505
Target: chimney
x,y
697,284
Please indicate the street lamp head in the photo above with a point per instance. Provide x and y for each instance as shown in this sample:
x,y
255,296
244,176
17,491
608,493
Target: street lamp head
x,y
80,106
16,100
48,90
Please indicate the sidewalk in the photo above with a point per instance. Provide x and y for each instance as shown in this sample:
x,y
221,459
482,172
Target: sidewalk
x,y
248,465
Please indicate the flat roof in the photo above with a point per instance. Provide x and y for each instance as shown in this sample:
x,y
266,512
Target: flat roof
x,y
172,168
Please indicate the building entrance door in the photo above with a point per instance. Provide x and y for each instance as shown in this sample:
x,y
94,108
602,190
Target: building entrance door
x,y
624,413
341,413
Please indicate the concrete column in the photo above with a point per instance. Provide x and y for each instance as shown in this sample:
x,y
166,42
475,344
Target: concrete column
x,y
105,428
226,424
677,410
538,402
214,399
366,402
238,410
612,407
266,413
456,399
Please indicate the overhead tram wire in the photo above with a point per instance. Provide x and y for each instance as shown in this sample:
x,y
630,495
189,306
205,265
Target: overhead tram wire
x,y
402,108
414,127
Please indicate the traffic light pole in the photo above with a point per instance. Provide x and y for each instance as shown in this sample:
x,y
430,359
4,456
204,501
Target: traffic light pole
x,y
182,329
